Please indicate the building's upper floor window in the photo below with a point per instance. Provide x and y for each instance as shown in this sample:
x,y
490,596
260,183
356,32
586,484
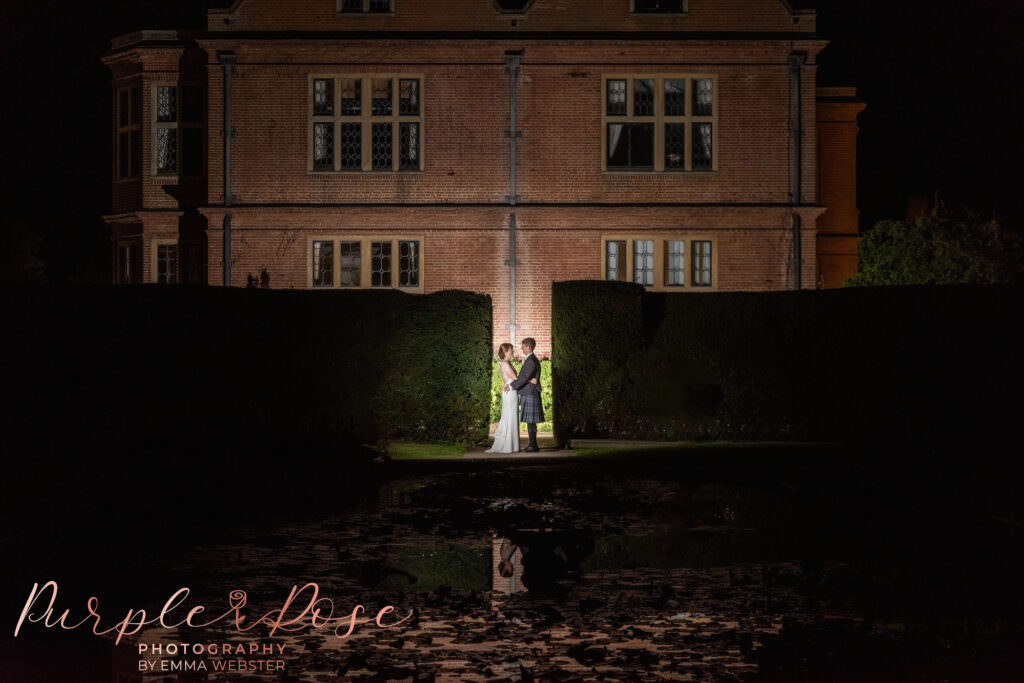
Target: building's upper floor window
x,y
366,123
178,113
366,6
128,154
513,5
659,123
658,6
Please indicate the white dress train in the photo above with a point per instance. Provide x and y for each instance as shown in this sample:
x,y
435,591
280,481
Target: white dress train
x,y
506,436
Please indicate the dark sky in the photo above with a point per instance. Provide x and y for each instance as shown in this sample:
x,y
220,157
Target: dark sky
x,y
940,79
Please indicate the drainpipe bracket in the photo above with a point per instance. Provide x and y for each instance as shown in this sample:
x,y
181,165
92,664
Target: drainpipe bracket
x,y
511,134
512,198
518,262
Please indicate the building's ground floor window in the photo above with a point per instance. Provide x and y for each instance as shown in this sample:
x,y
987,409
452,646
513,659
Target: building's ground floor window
x,y
668,263
359,262
128,262
166,268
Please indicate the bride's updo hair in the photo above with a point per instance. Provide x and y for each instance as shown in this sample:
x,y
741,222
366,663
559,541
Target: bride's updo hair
x,y
504,350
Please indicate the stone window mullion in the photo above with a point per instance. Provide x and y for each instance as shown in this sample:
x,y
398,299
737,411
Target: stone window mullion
x,y
659,124
366,113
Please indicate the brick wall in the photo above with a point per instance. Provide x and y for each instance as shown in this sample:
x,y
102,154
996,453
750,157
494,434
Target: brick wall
x,y
481,15
457,203
838,228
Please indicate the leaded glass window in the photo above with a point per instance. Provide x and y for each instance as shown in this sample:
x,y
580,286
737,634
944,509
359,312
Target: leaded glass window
x,y
351,264
165,130
167,150
323,146
323,97
409,140
630,145
615,260
675,97
643,97
167,264
380,6
702,147
351,146
675,112
675,146
323,263
367,123
351,96
178,120
701,259
409,97
382,146
408,264
616,97
643,262
381,97
380,264
166,103
351,5
703,97
675,263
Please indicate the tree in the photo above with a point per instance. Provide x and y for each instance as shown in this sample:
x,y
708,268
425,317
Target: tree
x,y
939,248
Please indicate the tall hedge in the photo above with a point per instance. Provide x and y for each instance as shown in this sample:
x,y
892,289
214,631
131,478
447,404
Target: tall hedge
x,y
923,365
143,364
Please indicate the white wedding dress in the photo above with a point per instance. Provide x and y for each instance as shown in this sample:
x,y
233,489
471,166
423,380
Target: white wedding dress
x,y
506,436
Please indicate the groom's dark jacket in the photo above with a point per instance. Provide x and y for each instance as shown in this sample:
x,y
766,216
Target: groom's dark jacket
x,y
530,369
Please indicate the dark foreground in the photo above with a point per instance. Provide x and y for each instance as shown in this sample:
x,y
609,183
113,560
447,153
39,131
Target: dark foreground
x,y
774,564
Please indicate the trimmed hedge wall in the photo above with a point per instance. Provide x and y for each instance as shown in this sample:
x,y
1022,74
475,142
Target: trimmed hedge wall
x,y
923,365
150,363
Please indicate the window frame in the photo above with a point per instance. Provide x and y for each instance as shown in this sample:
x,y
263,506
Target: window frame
x,y
136,276
134,125
366,119
178,125
154,257
660,255
365,262
660,119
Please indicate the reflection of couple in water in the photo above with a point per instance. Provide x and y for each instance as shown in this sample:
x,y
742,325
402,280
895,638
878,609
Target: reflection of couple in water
x,y
544,558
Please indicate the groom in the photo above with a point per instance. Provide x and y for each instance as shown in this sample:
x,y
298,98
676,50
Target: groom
x,y
532,411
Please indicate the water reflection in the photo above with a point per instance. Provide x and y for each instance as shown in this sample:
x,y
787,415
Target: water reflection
x,y
542,573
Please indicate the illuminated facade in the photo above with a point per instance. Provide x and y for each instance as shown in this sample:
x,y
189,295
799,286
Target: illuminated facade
x,y
489,146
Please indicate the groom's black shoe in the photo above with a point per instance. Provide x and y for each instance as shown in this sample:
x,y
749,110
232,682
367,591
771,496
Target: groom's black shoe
x,y
531,449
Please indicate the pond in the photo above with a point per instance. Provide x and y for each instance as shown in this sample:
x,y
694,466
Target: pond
x,y
767,564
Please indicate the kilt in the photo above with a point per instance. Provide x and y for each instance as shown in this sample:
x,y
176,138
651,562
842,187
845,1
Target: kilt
x,y
530,409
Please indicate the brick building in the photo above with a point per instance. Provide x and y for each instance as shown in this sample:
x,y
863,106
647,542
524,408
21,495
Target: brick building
x,y
487,145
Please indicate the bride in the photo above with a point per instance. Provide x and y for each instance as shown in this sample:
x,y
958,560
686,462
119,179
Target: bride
x,y
506,436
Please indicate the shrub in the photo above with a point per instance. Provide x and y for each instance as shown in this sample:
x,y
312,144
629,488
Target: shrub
x,y
940,247
855,364
149,365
